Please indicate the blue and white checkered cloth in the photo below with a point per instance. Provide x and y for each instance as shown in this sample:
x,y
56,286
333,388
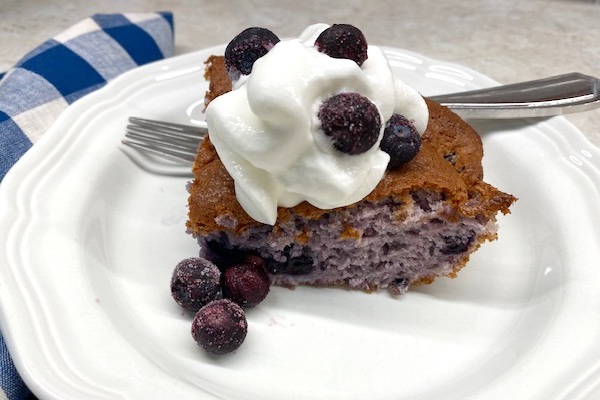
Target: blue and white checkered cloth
x,y
61,70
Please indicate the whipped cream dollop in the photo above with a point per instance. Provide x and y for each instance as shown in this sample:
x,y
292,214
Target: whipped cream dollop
x,y
267,133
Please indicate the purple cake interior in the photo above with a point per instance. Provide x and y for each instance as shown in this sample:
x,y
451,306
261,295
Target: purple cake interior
x,y
377,252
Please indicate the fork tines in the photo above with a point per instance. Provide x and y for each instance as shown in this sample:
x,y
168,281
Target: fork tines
x,y
175,142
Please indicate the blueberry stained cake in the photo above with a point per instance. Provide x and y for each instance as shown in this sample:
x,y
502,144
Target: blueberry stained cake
x,y
332,170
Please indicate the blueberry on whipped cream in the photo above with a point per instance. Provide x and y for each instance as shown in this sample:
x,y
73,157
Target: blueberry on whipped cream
x,y
343,41
352,122
401,140
247,47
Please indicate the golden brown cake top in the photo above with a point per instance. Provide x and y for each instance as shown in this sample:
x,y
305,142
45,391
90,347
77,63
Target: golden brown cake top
x,y
449,162
218,80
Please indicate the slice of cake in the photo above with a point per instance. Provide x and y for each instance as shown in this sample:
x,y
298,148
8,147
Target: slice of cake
x,y
287,175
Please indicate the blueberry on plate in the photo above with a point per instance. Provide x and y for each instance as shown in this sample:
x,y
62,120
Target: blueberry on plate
x,y
246,283
195,282
220,327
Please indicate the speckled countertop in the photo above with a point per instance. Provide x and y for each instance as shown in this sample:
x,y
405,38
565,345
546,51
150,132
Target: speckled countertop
x,y
507,40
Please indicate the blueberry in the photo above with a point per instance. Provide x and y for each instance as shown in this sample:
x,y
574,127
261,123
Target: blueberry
x,y
399,286
222,254
220,327
457,244
247,47
352,121
195,282
401,140
295,265
247,284
343,41
450,157
300,265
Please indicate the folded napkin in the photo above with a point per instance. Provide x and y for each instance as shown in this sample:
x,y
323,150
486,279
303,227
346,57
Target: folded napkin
x,y
61,70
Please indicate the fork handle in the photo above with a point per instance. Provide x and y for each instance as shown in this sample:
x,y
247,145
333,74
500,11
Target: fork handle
x,y
555,95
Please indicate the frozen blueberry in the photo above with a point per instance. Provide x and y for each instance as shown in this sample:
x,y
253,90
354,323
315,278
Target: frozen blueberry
x,y
247,47
220,327
352,122
343,41
401,140
247,283
195,282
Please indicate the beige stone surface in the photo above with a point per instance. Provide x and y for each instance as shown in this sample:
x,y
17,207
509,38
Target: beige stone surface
x,y
508,40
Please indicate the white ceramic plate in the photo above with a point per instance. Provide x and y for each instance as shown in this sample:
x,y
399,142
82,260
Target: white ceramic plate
x,y
89,237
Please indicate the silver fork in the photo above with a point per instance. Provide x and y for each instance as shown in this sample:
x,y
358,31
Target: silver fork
x,y
556,95
175,142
